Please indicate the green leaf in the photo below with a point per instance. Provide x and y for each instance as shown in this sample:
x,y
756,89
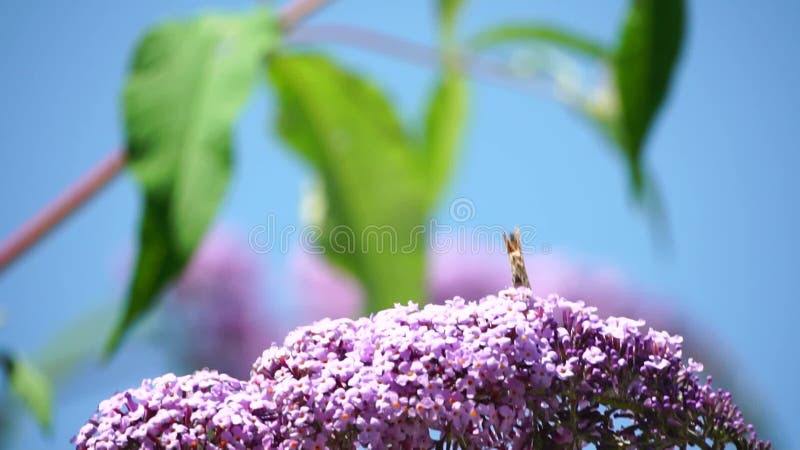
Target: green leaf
x,y
644,63
448,11
188,82
157,263
446,110
444,125
372,174
538,33
32,387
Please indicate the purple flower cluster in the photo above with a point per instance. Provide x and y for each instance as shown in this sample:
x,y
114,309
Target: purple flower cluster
x,y
510,371
203,410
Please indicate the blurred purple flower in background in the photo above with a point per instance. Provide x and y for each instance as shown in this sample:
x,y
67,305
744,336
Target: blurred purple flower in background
x,y
479,274
220,300
324,290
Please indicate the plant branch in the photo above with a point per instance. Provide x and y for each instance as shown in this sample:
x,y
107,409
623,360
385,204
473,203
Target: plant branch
x,y
379,42
87,186
297,10
65,204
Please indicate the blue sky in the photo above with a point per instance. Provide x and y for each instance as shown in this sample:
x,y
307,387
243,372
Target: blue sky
x,y
725,149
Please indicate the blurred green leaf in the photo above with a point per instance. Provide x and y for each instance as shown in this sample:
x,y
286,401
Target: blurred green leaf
x,y
75,343
448,11
188,82
158,261
538,33
649,47
643,64
446,109
32,387
444,124
373,176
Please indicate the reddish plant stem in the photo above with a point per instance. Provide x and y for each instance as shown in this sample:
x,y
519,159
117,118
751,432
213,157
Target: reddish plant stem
x,y
105,171
297,10
66,203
